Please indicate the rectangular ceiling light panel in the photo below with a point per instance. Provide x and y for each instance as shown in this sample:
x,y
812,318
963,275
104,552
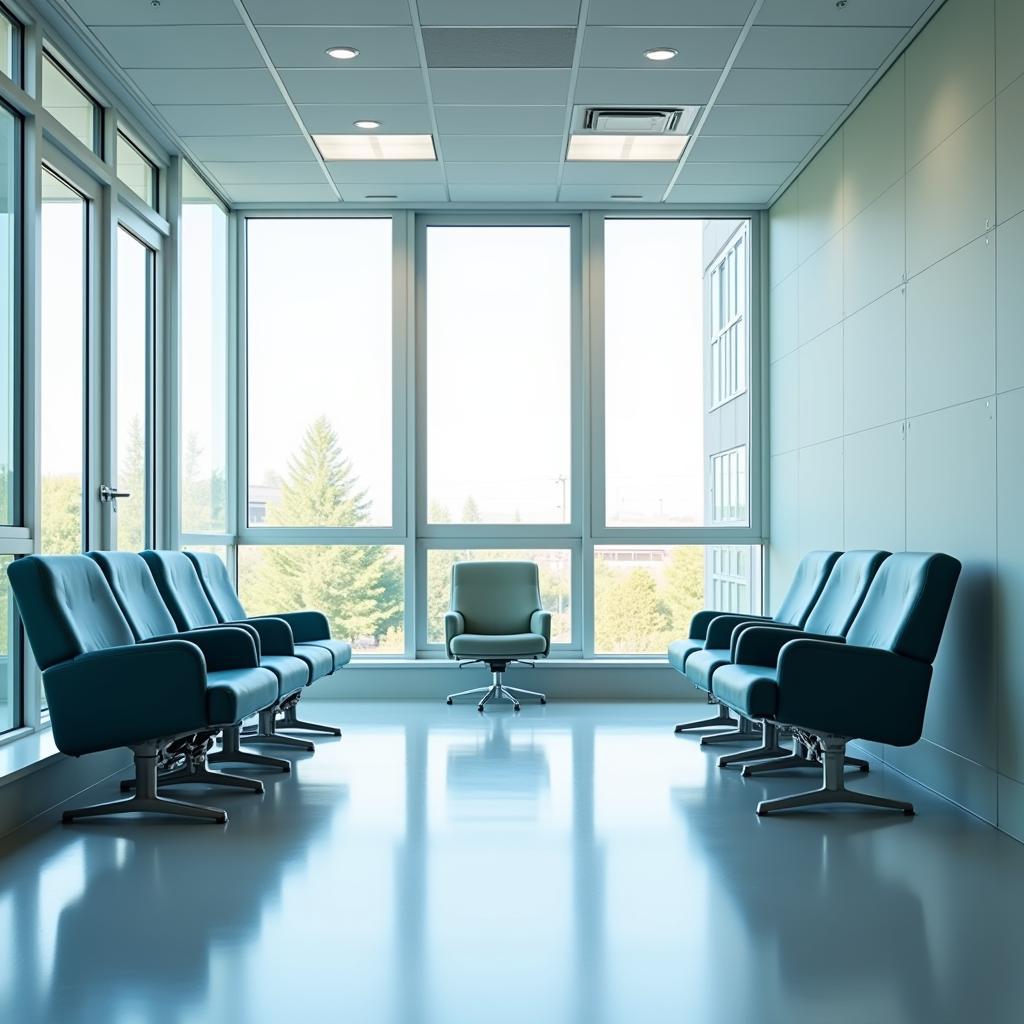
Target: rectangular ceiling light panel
x,y
376,147
626,147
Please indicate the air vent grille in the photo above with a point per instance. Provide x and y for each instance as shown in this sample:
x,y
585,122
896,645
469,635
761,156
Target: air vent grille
x,y
611,120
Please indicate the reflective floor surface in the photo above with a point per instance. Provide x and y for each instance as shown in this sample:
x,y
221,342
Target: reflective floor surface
x,y
572,863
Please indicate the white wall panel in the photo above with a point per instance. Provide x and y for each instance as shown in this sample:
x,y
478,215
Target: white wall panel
x,y
821,388
874,249
874,364
821,496
821,290
1010,304
874,497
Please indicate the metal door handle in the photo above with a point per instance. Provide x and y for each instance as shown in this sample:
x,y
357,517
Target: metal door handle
x,y
111,494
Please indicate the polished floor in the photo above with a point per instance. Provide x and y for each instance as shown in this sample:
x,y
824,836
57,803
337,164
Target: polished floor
x,y
572,864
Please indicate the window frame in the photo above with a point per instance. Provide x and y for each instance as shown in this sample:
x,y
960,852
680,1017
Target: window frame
x,y
121,134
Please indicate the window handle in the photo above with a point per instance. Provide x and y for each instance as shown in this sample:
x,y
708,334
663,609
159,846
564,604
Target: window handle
x,y
111,494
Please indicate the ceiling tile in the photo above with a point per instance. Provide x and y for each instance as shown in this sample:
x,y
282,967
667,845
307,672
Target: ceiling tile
x,y
181,12
751,147
306,47
738,194
861,12
250,147
502,174
698,47
358,192
235,85
499,12
500,86
418,172
748,173
232,119
793,86
599,172
267,172
355,85
481,148
654,86
602,193
475,193
770,119
181,46
668,12
513,120
281,193
395,118
793,47
499,47
329,12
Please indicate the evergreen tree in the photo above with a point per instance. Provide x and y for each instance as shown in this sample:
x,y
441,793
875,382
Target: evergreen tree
x,y
684,586
470,511
629,615
131,477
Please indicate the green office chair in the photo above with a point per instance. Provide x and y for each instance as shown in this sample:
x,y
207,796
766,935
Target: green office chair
x,y
495,618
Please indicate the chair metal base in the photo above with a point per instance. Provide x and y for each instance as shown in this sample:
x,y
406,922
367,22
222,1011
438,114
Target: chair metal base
x,y
289,720
497,691
191,775
231,753
723,720
833,789
801,757
769,748
266,732
744,732
146,800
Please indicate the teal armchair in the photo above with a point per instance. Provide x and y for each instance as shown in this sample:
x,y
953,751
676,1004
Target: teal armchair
x,y
495,618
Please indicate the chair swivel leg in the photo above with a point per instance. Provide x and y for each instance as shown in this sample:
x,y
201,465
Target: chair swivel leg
x,y
801,757
146,799
723,720
267,733
769,748
541,698
290,720
231,753
744,732
450,699
192,769
833,789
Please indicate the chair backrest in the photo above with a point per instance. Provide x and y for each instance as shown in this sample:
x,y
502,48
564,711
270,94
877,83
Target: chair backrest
x,y
844,592
906,605
67,607
220,592
808,582
179,586
496,597
136,592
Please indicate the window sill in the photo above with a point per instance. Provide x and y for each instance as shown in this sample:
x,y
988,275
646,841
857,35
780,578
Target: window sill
x,y
23,754
434,661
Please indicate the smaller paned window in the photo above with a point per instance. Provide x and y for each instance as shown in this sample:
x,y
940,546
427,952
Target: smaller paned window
x,y
70,104
729,487
136,170
728,354
729,578
10,44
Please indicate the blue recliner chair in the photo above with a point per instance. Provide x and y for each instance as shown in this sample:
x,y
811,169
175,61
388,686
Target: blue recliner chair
x,y
311,631
182,592
872,687
105,690
710,639
495,617
830,618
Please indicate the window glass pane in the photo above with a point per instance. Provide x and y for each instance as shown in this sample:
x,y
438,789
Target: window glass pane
x,y
9,39
63,331
499,330
555,584
134,320
136,171
220,550
359,587
645,595
204,360
10,129
7,680
70,104
319,361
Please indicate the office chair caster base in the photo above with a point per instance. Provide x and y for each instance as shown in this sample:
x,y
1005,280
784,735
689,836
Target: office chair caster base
x,y
231,753
289,720
769,748
448,700
723,720
745,731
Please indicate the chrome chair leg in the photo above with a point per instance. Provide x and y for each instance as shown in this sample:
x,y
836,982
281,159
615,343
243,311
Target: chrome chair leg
x,y
231,753
745,731
722,720
769,748
799,758
290,720
466,693
267,733
542,698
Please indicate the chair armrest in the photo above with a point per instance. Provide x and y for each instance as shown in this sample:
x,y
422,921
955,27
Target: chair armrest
x,y
306,625
223,647
700,622
540,622
234,625
275,634
454,624
857,692
719,632
760,645
122,696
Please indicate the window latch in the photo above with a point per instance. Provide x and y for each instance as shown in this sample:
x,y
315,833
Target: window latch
x,y
111,494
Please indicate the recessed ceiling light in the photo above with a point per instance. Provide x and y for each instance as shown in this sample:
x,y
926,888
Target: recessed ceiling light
x,y
661,53
382,197
626,147
343,52
366,124
376,147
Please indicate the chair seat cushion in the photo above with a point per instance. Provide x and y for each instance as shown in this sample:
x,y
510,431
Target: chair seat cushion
x,y
341,652
701,666
317,659
485,645
292,673
680,650
236,693
752,690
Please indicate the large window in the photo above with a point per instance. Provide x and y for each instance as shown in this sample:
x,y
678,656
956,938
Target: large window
x,y
10,151
499,343
319,372
728,293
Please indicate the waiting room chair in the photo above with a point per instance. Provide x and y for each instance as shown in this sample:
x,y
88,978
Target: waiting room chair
x,y
495,617
106,690
872,687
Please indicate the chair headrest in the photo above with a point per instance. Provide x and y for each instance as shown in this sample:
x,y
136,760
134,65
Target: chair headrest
x,y
808,582
844,592
136,592
496,597
179,586
217,584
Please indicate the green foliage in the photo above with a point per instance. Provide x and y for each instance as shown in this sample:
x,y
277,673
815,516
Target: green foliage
x,y
470,511
61,511
131,477
203,495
